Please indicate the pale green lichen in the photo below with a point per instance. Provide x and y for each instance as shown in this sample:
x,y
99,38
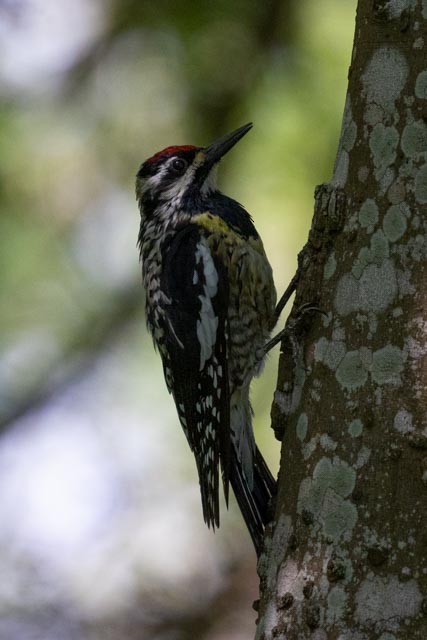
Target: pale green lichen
x,y
387,365
326,319
342,162
348,568
379,247
351,374
396,7
338,519
362,261
377,287
394,223
302,425
374,291
363,457
324,495
338,332
337,600
384,77
320,349
416,222
348,128
349,135
288,399
330,353
421,185
406,288
418,247
383,143
373,114
327,443
363,174
414,139
315,395
368,214
403,421
421,85
274,549
385,179
330,266
366,357
355,428
352,634
291,579
347,140
372,324
270,560
309,448
397,192
385,601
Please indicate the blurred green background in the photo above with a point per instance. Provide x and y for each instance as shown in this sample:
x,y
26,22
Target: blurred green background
x,y
101,531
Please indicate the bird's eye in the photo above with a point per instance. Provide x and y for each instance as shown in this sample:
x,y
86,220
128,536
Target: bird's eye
x,y
178,165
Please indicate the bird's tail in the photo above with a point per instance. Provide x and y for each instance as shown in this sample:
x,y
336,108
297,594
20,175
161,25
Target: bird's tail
x,y
254,502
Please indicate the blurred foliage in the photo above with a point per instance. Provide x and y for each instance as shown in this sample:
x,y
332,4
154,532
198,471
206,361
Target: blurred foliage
x,y
89,89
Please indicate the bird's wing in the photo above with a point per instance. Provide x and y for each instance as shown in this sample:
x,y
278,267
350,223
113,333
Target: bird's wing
x,y
195,356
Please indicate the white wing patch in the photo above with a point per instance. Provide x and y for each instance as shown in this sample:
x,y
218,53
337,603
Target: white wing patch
x,y
207,324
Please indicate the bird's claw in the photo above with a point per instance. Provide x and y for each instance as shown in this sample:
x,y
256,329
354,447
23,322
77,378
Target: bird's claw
x,y
289,329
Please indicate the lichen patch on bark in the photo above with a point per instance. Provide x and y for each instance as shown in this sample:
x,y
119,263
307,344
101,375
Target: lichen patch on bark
x,y
386,602
324,497
384,78
354,465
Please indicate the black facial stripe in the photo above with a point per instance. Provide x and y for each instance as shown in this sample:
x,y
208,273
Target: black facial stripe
x,y
151,168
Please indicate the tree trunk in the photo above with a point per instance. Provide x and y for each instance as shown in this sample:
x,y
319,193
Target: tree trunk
x,y
345,555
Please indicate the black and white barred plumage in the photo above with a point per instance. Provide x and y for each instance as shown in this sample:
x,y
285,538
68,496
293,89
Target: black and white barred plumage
x,y
210,303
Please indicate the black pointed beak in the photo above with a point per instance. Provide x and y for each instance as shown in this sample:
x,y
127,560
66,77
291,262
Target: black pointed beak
x,y
220,147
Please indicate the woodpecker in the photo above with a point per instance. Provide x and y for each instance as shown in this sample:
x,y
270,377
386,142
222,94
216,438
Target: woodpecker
x,y
210,307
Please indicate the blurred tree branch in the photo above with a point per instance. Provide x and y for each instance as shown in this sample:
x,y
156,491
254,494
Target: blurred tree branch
x,y
264,23
270,25
215,617
96,333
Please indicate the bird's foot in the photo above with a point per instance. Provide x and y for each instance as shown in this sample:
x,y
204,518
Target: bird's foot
x,y
292,285
289,330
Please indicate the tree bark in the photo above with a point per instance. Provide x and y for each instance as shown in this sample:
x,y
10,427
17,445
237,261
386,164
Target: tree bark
x,y
345,555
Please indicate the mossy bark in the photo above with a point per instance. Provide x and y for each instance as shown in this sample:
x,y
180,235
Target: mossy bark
x,y
345,555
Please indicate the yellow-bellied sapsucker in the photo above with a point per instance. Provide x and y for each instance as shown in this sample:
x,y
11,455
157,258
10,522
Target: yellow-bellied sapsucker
x,y
210,306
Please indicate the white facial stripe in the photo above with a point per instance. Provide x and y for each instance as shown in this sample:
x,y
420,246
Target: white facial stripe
x,y
153,181
209,184
179,187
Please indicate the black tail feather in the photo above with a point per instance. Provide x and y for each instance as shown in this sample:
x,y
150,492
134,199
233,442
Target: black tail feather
x,y
253,503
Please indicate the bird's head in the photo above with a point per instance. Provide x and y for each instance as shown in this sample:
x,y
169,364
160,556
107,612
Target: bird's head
x,y
177,175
